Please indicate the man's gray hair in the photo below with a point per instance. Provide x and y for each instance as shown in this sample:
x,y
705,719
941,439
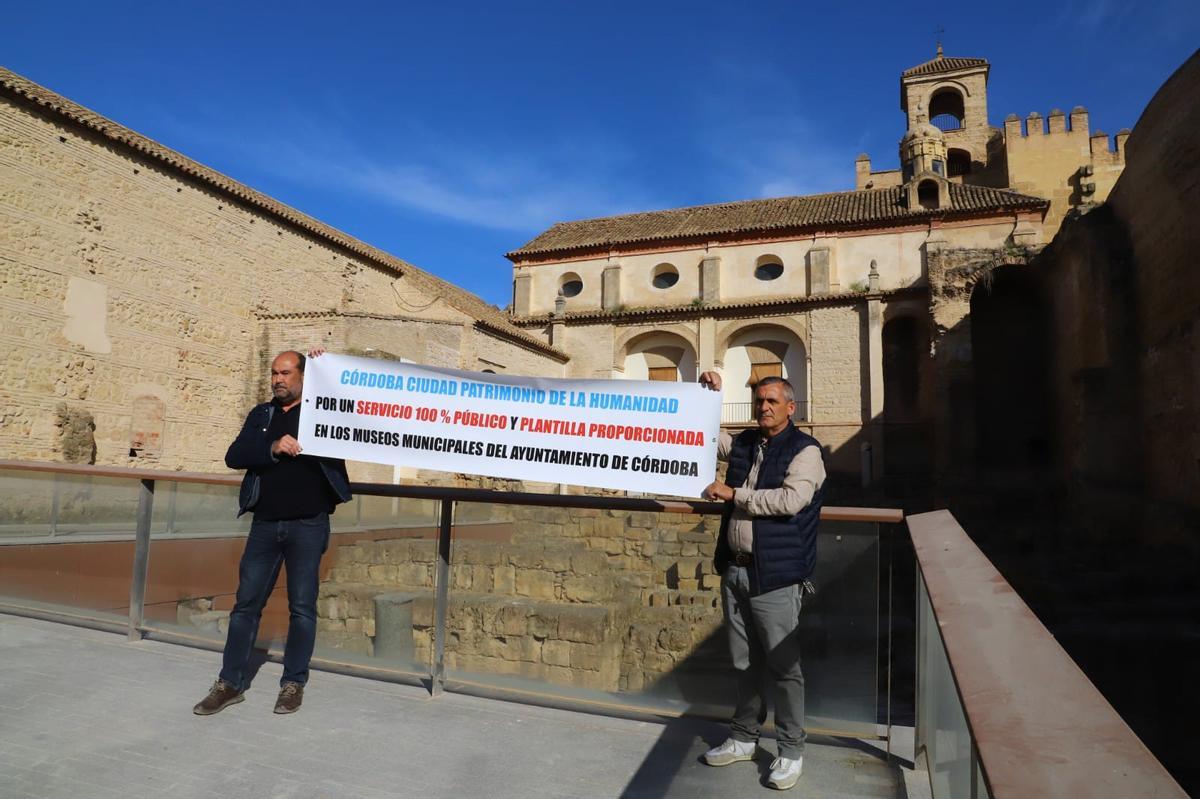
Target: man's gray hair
x,y
788,392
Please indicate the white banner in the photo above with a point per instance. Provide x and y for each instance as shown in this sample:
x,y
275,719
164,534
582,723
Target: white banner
x,y
650,436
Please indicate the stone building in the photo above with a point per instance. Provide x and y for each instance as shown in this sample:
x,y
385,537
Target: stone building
x,y
845,294
143,295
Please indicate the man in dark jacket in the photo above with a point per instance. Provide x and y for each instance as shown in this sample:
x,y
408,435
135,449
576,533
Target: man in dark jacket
x,y
766,552
291,496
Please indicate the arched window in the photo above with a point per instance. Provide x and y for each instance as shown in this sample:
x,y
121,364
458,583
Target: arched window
x,y
927,194
958,162
768,267
571,284
946,109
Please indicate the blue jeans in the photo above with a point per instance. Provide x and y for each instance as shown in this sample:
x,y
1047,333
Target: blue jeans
x,y
298,544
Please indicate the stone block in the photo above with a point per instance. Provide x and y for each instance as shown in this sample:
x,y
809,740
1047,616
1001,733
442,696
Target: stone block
x,y
423,611
609,526
677,637
556,560
414,574
587,656
644,519
587,589
512,620
481,577
535,584
504,580
582,624
589,563
382,575
461,578
543,623
556,653
644,636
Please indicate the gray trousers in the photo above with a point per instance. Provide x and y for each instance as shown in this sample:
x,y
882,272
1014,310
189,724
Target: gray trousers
x,y
763,641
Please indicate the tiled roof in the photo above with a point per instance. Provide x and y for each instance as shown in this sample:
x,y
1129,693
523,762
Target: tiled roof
x,y
943,64
486,316
848,208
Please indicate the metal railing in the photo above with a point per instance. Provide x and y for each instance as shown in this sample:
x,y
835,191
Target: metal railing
x,y
743,412
1002,710
150,484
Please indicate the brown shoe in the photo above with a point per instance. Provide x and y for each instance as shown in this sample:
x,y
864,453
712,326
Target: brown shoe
x,y
220,697
290,697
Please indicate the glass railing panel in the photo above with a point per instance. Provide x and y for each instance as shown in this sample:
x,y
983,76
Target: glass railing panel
x,y
839,630
66,542
196,540
624,607
374,605
943,729
196,509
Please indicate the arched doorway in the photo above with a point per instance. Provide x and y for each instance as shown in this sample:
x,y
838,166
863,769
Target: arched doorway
x,y
756,353
1010,371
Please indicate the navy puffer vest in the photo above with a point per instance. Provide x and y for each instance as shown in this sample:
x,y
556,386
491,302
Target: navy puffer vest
x,y
785,547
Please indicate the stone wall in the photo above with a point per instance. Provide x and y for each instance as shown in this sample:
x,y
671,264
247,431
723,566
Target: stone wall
x,y
1126,296
597,599
143,299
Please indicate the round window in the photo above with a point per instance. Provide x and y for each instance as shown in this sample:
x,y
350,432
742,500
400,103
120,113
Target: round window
x,y
665,276
571,285
768,271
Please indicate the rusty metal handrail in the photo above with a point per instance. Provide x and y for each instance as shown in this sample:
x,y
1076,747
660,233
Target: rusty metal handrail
x,y
828,513
1037,723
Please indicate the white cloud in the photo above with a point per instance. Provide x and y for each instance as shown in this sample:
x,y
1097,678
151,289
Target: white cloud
x,y
428,172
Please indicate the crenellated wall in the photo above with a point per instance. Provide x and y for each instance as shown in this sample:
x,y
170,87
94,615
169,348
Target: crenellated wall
x,y
1059,158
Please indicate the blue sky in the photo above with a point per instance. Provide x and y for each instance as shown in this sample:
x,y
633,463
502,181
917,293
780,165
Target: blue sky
x,y
449,134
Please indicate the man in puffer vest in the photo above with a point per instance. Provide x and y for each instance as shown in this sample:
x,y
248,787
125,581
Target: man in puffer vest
x,y
766,552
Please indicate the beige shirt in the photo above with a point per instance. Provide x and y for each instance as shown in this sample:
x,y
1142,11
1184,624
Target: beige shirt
x,y
805,474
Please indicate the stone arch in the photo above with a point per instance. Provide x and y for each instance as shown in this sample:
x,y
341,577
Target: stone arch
x,y
956,85
637,351
947,108
726,332
743,351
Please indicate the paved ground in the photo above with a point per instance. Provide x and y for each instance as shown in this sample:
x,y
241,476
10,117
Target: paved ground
x,y
87,714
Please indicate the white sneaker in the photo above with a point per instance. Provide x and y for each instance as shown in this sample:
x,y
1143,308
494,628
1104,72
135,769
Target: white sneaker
x,y
784,773
732,751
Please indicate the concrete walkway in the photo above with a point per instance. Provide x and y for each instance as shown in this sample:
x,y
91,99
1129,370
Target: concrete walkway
x,y
87,714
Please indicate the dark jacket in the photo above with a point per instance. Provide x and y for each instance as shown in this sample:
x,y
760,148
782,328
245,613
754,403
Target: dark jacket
x,y
251,450
785,547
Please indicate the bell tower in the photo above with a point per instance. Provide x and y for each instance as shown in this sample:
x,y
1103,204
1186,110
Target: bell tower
x,y
950,94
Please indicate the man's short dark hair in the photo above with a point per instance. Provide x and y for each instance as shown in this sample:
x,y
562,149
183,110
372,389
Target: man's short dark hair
x,y
788,392
299,358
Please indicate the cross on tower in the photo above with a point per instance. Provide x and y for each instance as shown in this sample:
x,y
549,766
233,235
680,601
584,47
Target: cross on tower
x,y
940,31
